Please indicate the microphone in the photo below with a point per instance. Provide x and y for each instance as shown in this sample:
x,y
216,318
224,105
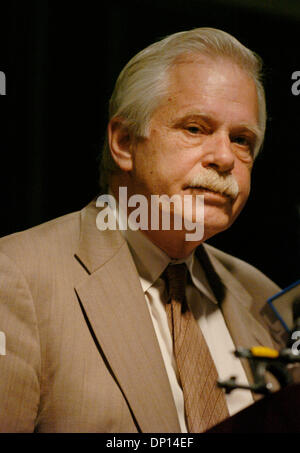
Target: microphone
x,y
286,307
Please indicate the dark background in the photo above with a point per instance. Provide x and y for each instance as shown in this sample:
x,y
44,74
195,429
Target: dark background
x,y
61,60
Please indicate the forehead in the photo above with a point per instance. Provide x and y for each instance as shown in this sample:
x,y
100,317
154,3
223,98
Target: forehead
x,y
216,87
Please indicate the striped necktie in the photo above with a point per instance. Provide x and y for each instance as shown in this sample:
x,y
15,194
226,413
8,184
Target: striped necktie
x,y
205,403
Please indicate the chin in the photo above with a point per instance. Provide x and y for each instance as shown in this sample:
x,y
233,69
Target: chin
x,y
214,224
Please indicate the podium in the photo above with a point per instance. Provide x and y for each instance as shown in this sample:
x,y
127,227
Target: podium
x,y
278,412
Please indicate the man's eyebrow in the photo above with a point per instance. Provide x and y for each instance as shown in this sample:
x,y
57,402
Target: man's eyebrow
x,y
255,130
195,114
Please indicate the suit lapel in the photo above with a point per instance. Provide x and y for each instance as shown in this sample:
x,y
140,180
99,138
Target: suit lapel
x,y
115,306
235,303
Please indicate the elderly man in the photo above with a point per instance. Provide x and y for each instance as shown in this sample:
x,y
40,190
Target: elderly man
x,y
128,329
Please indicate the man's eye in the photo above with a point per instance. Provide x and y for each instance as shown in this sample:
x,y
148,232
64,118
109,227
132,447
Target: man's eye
x,y
241,140
193,129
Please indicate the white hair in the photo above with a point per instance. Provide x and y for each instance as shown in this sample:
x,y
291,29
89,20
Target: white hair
x,y
143,82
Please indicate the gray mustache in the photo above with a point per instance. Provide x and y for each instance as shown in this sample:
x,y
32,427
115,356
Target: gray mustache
x,y
212,180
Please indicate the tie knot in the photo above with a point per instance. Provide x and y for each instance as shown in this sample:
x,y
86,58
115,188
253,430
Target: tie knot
x,y
176,279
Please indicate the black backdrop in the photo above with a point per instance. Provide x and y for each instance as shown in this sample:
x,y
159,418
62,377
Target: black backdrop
x,y
61,60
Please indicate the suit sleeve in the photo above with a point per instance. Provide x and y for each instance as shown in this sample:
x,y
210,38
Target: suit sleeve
x,y
20,365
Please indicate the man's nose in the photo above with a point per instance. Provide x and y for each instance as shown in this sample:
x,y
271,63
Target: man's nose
x,y
217,152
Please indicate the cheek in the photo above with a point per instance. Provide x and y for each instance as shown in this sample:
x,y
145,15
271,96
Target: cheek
x,y
163,164
242,173
150,170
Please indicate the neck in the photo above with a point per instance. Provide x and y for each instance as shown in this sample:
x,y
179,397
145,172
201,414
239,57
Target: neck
x,y
173,243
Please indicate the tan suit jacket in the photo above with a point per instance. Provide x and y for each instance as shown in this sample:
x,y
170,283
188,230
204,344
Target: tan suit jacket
x,y
81,351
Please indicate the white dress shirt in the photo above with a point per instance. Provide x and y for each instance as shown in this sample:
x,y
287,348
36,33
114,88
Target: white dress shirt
x,y
150,262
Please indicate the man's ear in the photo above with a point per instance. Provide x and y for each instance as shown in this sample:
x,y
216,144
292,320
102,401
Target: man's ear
x,y
119,140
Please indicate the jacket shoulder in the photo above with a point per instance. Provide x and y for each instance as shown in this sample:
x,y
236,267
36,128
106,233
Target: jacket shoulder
x,y
56,235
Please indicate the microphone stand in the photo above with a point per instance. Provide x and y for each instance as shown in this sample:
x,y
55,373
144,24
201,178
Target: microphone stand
x,y
263,359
